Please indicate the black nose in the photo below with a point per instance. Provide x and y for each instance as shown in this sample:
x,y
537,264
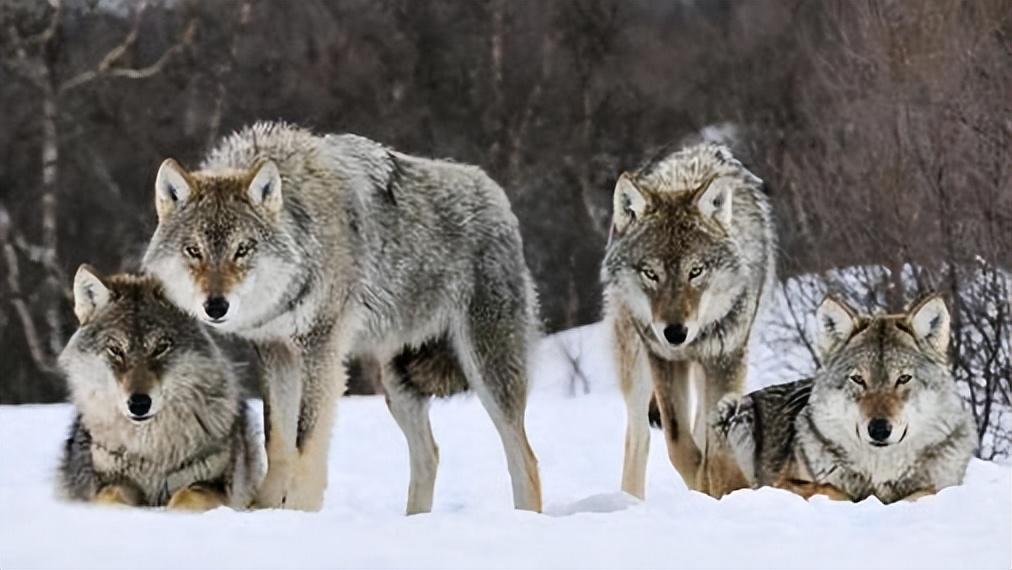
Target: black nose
x,y
879,429
676,333
216,307
139,404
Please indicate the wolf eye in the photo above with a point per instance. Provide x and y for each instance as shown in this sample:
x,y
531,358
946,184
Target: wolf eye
x,y
115,352
857,379
192,251
648,273
903,379
161,348
696,271
244,249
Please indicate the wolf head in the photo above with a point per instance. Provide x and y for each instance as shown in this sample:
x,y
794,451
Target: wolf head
x,y
671,256
134,354
885,378
218,247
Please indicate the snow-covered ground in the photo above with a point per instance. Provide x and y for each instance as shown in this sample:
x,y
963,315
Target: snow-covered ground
x,y
587,522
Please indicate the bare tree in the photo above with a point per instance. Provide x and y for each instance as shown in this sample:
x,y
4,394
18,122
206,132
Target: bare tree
x,y
34,58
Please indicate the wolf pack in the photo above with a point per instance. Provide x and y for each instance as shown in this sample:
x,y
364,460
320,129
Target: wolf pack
x,y
325,249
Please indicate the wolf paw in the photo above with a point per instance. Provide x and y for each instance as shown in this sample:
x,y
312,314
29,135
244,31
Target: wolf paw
x,y
726,415
272,493
117,495
195,499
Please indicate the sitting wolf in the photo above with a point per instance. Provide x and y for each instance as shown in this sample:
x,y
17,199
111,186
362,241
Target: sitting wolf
x,y
160,421
881,417
320,248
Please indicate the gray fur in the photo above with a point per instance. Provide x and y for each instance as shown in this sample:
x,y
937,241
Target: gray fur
x,y
374,254
812,430
697,209
199,434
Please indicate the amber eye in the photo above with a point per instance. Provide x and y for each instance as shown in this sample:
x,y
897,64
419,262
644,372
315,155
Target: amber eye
x,y
244,249
696,271
648,273
162,347
857,379
192,251
115,352
903,379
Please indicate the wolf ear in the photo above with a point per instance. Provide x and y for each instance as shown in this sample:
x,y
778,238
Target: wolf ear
x,y
930,320
835,321
172,187
628,204
265,188
714,199
90,293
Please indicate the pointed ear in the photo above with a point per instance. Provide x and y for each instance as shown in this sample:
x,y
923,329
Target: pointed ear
x,y
835,321
714,199
930,320
265,187
172,187
90,293
628,203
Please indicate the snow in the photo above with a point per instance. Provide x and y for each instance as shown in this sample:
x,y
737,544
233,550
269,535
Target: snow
x,y
587,521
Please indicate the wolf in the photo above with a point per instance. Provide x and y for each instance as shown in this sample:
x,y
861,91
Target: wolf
x,y
688,264
881,417
323,248
159,417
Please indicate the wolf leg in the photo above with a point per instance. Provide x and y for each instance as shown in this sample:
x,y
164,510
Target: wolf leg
x,y
733,424
720,471
324,380
634,379
671,383
493,359
281,388
121,495
196,498
411,412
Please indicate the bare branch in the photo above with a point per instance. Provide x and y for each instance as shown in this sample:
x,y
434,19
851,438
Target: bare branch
x,y
106,67
43,360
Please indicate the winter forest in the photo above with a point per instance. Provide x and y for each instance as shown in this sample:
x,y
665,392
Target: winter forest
x,y
880,128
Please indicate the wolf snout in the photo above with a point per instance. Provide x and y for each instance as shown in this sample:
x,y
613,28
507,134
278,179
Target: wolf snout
x,y
676,333
216,307
879,430
139,405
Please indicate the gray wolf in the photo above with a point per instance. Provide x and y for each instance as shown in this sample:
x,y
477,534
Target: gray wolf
x,y
880,418
690,260
159,418
324,248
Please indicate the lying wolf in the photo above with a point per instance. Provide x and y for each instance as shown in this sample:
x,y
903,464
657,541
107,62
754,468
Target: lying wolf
x,y
160,421
880,418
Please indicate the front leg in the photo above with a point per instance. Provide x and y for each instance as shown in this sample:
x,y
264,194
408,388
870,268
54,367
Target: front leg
x,y
671,385
281,388
637,387
324,378
720,472
733,424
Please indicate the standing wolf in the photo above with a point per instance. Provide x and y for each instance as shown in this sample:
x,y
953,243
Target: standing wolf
x,y
881,417
160,421
320,248
689,261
